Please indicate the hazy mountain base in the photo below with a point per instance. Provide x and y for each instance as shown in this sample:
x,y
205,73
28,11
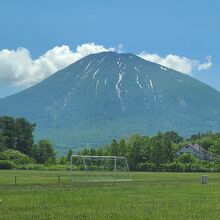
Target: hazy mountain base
x,y
103,134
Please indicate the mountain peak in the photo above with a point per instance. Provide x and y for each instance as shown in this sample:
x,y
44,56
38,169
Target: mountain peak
x,y
114,54
126,57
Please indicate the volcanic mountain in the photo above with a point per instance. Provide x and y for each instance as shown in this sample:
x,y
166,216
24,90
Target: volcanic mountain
x,y
110,95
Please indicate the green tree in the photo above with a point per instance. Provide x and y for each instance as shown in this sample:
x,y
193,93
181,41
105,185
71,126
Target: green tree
x,y
173,136
35,153
157,153
122,148
92,152
17,134
215,149
206,141
168,149
195,137
186,158
46,152
62,160
162,151
69,154
85,151
146,149
114,150
100,152
7,128
2,142
136,151
24,135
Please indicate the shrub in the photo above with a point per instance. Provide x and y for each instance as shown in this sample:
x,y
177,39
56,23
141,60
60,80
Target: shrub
x,y
174,167
58,167
6,165
151,167
16,156
186,158
30,167
42,167
3,156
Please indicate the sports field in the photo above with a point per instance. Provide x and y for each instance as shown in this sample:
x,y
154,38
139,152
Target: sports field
x,y
40,195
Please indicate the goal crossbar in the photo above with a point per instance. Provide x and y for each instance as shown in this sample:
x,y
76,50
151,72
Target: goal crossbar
x,y
97,156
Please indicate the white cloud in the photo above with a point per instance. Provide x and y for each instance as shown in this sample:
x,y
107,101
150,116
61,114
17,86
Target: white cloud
x,y
205,65
18,68
181,64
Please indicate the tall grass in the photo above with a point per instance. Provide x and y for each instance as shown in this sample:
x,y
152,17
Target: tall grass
x,y
39,195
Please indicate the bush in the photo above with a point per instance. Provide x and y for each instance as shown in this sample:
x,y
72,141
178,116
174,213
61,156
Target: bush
x,y
15,156
3,156
58,167
6,165
30,167
42,167
151,167
186,158
174,167
216,168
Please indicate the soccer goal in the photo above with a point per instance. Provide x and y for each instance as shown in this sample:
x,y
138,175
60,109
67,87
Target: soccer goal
x,y
99,168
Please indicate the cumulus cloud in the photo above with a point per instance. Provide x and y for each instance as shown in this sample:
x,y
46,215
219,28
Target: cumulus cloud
x,y
205,65
181,64
17,66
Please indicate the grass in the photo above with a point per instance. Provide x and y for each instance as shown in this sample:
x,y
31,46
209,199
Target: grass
x,y
39,195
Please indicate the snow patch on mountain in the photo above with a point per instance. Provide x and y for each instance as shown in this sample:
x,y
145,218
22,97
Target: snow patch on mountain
x,y
136,69
151,85
137,80
95,73
88,65
105,81
163,68
96,86
118,84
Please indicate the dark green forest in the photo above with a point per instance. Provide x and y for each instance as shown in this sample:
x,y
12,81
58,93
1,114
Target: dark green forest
x,y
156,153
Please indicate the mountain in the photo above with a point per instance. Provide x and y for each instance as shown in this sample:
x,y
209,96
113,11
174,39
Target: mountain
x,y
110,95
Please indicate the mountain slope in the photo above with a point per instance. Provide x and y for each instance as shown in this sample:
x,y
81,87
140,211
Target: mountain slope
x,y
109,95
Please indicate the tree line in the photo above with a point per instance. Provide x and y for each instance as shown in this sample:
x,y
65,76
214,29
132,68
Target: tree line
x,y
159,151
143,153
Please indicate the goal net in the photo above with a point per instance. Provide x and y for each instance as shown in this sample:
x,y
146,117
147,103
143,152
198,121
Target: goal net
x,y
99,168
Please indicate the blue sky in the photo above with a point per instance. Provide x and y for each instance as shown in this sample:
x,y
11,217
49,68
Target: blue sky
x,y
186,28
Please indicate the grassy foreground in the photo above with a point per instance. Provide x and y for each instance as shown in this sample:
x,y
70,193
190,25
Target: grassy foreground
x,y
39,195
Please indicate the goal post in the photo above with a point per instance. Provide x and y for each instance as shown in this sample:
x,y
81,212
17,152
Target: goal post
x,y
99,168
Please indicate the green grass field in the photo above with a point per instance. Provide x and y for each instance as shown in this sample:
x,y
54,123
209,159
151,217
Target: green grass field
x,y
39,195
